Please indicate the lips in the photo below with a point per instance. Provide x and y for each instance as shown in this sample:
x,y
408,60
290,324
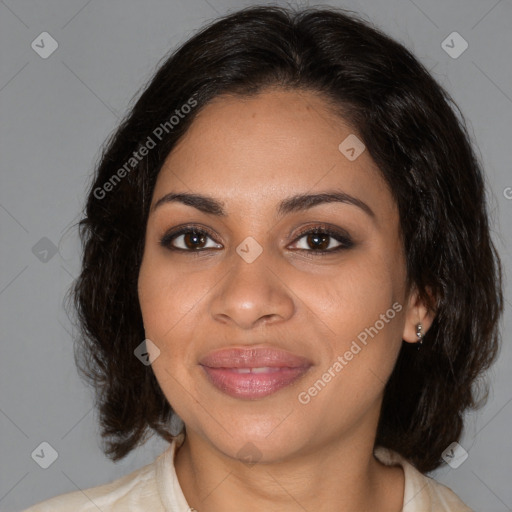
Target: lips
x,y
253,358
253,373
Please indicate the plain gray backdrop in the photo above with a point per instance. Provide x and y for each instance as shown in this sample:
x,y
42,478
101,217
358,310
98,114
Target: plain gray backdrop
x,y
56,113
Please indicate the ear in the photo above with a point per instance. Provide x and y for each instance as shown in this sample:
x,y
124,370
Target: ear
x,y
417,312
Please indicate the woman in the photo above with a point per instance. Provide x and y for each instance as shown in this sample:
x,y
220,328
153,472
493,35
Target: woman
x,y
287,254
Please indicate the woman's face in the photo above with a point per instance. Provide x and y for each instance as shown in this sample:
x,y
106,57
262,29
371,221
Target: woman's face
x,y
250,290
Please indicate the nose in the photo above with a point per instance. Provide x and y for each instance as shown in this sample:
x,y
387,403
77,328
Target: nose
x,y
252,294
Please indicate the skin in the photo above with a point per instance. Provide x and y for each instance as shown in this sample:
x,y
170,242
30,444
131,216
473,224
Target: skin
x,y
251,153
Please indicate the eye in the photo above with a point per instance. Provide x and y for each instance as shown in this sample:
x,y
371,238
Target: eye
x,y
188,239
319,240
323,240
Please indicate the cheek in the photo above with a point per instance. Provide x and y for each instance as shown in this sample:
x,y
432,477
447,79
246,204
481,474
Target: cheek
x,y
352,297
165,295
167,303
356,303
359,355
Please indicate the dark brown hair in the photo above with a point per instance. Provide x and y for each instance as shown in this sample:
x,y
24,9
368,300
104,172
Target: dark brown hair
x,y
414,133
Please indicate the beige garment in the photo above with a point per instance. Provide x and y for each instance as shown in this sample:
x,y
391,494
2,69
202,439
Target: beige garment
x,y
155,488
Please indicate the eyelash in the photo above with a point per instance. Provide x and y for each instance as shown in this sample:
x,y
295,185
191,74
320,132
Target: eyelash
x,y
340,236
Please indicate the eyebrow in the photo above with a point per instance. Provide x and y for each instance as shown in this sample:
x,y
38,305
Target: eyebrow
x,y
296,203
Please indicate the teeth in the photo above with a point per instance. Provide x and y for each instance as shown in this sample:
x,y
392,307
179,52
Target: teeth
x,y
262,369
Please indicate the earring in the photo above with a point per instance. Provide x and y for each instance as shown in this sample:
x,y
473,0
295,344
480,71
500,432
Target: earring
x,y
419,334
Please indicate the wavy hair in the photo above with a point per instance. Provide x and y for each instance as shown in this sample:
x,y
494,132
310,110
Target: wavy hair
x,y
417,137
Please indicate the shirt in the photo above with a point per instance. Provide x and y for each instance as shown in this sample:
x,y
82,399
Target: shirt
x,y
155,488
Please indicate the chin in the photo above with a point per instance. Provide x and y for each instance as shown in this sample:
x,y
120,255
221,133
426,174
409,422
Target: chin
x,y
256,438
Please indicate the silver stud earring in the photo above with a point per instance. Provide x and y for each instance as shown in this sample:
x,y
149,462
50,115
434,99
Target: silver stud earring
x,y
419,334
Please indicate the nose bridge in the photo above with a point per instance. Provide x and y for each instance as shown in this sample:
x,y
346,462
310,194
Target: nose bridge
x,y
251,289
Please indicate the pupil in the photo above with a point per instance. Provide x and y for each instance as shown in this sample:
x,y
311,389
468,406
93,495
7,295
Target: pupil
x,y
192,239
316,239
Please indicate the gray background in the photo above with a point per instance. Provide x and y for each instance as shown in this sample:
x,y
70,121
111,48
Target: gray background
x,y
56,113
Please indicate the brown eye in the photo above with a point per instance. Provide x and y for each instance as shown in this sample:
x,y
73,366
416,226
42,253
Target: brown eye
x,y
194,240
188,240
318,241
323,240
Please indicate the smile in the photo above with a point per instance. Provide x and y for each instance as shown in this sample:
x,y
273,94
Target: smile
x,y
253,383
253,373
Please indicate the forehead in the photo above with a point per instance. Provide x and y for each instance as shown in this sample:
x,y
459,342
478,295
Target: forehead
x,y
268,146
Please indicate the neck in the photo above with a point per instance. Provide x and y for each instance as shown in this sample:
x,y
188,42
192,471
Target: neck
x,y
336,476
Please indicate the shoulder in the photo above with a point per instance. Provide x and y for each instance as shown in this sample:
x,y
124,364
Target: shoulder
x,y
135,491
422,493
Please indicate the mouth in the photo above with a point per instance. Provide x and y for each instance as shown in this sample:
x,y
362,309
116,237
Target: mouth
x,y
253,373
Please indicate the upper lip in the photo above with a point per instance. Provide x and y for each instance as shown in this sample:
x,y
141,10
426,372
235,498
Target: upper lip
x,y
253,358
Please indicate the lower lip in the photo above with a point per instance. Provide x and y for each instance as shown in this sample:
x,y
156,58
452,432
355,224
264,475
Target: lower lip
x,y
252,386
